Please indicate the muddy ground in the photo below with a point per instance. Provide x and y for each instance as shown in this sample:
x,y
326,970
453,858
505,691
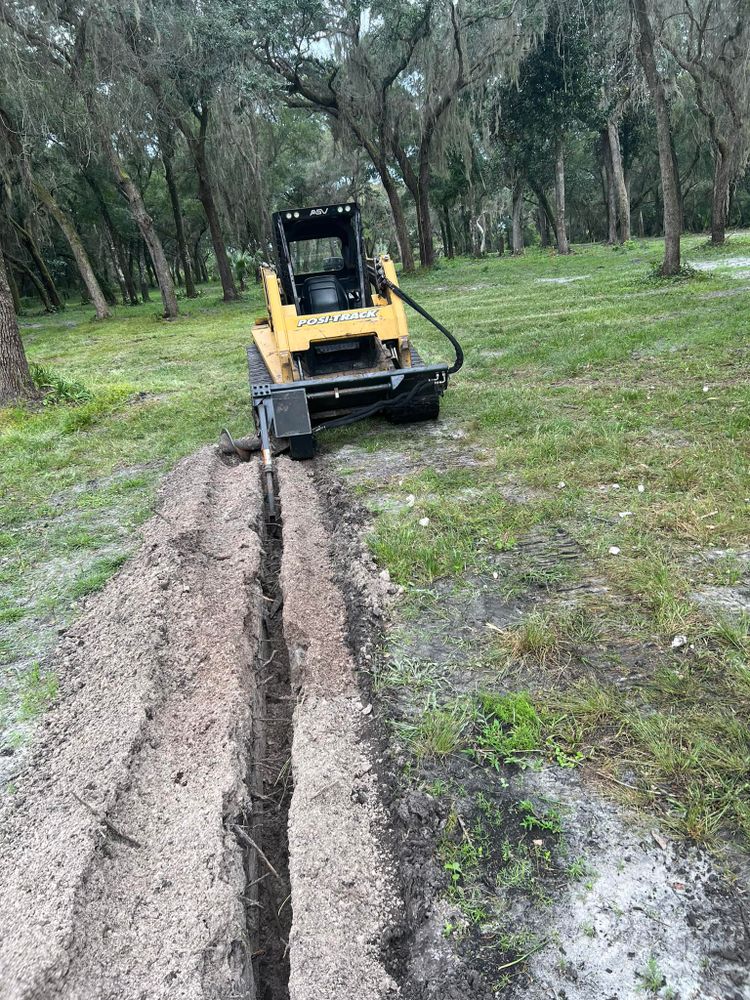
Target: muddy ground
x,y
220,805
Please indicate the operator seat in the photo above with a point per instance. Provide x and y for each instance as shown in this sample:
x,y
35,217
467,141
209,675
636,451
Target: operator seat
x,y
324,293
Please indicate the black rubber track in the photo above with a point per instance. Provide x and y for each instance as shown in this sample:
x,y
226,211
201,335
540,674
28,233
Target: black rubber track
x,y
256,367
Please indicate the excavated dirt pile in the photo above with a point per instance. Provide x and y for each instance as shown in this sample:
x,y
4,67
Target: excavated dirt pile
x,y
121,872
153,846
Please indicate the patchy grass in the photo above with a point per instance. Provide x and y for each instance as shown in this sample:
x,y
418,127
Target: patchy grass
x,y
438,732
121,402
614,408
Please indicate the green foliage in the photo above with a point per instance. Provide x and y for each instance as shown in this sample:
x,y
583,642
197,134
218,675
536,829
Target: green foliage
x,y
548,820
55,388
439,731
509,730
38,690
651,977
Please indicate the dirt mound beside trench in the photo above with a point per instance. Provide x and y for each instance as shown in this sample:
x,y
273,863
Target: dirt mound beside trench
x,y
344,898
120,872
155,800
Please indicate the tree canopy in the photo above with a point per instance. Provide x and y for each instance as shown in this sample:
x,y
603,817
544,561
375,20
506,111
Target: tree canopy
x,y
144,143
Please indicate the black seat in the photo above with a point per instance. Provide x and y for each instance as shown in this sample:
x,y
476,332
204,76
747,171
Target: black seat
x,y
324,293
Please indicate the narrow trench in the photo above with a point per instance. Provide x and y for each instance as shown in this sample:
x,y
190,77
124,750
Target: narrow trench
x,y
268,893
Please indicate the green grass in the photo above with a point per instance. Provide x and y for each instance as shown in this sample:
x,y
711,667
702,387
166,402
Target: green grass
x,y
651,977
123,400
616,407
438,732
581,400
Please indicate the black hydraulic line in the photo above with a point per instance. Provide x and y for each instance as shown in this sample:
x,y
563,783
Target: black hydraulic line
x,y
380,279
369,411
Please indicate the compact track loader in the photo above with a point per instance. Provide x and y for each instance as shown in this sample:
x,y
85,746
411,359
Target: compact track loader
x,y
334,346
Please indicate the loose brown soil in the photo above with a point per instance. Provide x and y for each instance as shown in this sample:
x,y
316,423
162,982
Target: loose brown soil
x,y
217,806
121,872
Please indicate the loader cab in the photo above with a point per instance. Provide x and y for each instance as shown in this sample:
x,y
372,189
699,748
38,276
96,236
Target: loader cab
x,y
321,258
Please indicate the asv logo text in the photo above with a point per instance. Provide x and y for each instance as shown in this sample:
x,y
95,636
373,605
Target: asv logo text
x,y
318,211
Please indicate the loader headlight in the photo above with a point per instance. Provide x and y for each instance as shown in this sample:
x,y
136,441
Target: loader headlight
x,y
296,215
348,208
288,215
340,209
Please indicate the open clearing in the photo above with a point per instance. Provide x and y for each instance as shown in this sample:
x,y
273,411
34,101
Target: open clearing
x,y
459,746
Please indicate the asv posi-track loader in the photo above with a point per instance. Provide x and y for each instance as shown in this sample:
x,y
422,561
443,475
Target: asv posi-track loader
x,y
334,346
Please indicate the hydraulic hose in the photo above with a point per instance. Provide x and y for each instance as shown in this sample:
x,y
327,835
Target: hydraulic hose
x,y
430,319
369,411
379,280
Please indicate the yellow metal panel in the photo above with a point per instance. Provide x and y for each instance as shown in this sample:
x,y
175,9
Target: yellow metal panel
x,y
377,320
266,343
289,332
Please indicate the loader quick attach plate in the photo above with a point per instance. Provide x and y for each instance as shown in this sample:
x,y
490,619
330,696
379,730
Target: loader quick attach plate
x,y
295,408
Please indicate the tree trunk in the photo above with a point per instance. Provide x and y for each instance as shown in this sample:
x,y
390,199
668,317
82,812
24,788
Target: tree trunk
x,y
105,283
14,293
142,273
206,198
122,266
481,249
424,221
15,378
517,234
541,225
197,147
143,220
669,181
618,178
449,249
562,237
165,143
125,266
544,204
151,238
399,219
608,183
52,297
200,270
119,273
36,282
95,294
720,198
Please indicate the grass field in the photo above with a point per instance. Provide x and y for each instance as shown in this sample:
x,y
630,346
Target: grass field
x,y
596,401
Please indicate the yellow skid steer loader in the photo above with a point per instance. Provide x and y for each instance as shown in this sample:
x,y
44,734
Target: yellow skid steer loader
x,y
334,346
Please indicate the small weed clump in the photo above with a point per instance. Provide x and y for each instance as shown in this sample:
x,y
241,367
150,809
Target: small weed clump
x,y
509,730
651,977
534,637
438,733
499,857
56,389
